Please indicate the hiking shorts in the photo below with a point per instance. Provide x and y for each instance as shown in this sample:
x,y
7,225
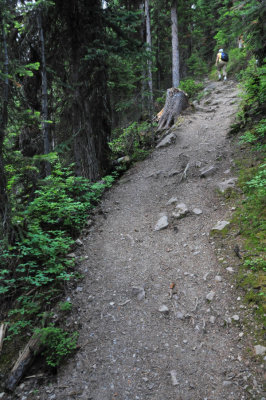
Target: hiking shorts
x,y
221,65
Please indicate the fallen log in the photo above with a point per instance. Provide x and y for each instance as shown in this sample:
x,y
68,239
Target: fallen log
x,y
23,363
2,335
176,101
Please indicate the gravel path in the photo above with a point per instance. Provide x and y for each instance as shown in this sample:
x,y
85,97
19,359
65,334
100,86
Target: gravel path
x,y
147,328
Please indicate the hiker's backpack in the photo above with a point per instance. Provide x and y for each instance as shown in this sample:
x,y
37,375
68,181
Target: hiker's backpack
x,y
224,57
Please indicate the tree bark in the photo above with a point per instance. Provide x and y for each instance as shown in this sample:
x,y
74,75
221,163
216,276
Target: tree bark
x,y
176,102
175,46
45,127
149,47
4,206
2,335
142,36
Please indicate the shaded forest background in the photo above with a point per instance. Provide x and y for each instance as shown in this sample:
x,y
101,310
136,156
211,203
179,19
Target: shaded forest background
x,y
80,86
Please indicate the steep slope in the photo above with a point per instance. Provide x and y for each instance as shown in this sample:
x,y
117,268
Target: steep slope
x,y
155,306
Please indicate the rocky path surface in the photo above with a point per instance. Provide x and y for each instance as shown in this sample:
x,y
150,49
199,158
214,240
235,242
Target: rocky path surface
x,y
155,306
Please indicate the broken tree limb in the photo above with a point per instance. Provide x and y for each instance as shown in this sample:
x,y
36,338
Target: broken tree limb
x,y
176,101
184,175
2,335
23,362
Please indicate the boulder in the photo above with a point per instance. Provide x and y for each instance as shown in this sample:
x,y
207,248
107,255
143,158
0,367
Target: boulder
x,y
220,225
167,141
227,184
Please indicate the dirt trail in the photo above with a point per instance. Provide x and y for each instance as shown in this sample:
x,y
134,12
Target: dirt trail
x,y
129,349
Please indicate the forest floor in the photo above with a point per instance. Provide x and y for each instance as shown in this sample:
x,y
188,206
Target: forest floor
x,y
158,312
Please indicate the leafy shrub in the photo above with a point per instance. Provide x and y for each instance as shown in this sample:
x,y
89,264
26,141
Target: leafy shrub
x,y
253,82
256,136
251,221
258,183
196,65
133,141
237,61
57,343
191,87
66,306
34,269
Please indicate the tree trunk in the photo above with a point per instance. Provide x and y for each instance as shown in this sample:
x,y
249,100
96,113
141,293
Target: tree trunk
x,y
176,102
149,47
142,36
175,46
4,206
45,127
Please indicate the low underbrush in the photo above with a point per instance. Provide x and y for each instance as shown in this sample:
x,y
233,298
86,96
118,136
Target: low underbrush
x,y
250,221
249,218
36,268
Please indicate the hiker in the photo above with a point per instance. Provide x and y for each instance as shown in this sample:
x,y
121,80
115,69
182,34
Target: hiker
x,y
221,63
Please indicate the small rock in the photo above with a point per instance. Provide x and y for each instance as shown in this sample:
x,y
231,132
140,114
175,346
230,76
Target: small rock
x,y
241,334
172,201
182,208
162,223
207,171
220,225
173,374
205,276
218,278
89,223
212,319
227,320
2,395
259,350
235,317
71,255
197,211
79,289
181,211
164,309
167,141
139,292
210,296
227,383
123,160
79,242
179,315
230,269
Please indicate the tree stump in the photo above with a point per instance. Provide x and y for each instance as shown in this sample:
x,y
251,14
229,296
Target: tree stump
x,y
176,101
